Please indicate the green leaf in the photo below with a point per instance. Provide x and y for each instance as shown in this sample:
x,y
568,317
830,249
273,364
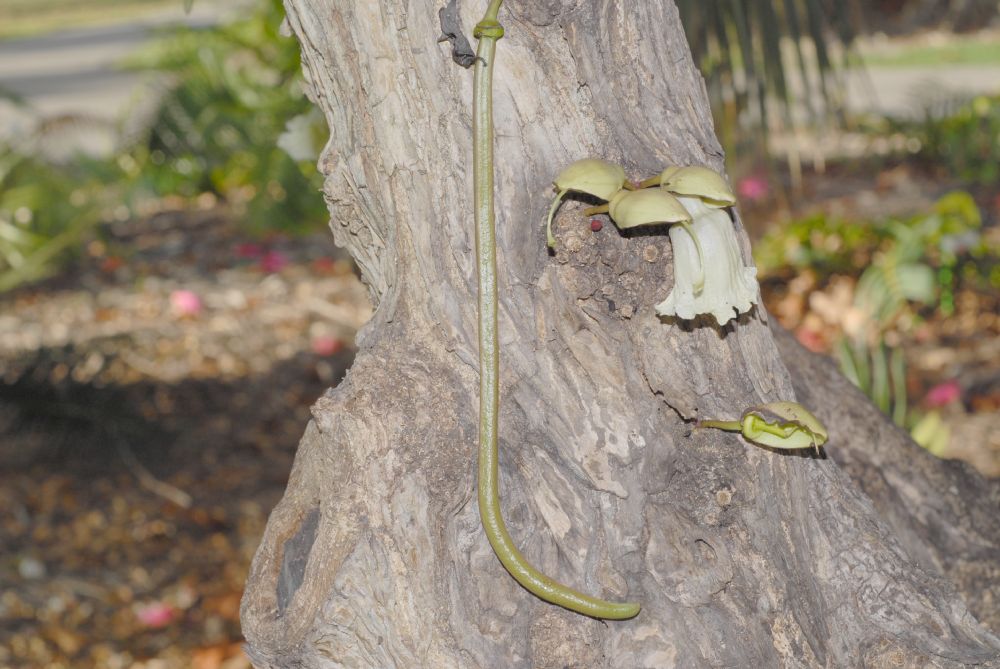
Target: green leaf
x,y
915,282
932,433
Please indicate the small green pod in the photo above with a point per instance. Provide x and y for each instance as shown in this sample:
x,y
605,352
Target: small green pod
x,y
784,425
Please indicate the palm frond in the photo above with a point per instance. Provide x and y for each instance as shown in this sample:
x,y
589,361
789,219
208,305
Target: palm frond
x,y
749,51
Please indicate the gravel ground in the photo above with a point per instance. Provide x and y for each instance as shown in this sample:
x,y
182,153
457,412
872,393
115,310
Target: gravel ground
x,y
150,407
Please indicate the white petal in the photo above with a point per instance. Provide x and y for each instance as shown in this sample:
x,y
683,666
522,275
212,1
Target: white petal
x,y
304,136
730,287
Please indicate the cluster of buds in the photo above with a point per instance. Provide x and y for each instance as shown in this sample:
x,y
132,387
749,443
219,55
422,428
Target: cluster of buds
x,y
693,201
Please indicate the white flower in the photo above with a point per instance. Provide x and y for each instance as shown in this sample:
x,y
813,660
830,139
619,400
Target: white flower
x,y
728,284
304,136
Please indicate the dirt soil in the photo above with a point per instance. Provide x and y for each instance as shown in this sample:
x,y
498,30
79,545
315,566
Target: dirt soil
x,y
150,407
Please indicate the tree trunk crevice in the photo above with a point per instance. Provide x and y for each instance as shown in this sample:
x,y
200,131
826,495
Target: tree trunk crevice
x,y
740,556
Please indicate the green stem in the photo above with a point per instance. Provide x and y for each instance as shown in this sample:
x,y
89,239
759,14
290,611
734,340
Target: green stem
x,y
489,31
490,17
651,181
598,209
552,212
699,285
898,365
758,424
729,425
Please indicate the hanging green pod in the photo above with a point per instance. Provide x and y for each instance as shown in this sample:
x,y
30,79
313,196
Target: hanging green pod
x,y
592,176
784,425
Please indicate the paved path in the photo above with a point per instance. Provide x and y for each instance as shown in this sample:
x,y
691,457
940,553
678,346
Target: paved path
x,y
905,91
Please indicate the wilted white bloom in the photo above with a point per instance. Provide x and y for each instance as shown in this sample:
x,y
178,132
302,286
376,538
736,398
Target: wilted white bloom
x,y
728,284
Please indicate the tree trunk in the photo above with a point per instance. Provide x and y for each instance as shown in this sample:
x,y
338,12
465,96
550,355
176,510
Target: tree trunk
x,y
740,556
944,513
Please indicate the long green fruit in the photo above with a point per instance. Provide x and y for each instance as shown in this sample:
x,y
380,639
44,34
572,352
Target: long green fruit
x,y
488,31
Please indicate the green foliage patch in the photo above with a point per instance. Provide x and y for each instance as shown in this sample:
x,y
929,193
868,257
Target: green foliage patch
x,y
217,127
911,266
233,98
959,138
946,243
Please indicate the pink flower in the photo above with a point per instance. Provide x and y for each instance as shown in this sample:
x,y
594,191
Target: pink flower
x,y
325,345
155,614
753,188
943,393
185,303
273,261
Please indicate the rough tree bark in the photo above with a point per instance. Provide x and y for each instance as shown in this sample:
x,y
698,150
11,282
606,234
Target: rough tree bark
x,y
944,513
740,556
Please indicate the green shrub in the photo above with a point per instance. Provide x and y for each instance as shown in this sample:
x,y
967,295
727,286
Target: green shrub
x,y
960,140
914,264
216,129
233,98
945,244
45,210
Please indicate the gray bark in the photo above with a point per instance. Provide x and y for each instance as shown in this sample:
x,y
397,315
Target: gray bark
x,y
943,512
375,556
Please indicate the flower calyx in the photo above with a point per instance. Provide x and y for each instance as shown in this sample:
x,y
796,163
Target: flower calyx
x,y
592,176
633,209
695,181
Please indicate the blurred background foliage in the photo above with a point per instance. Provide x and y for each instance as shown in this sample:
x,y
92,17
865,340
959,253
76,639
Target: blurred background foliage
x,y
216,129
903,273
231,121
957,139
775,75
761,58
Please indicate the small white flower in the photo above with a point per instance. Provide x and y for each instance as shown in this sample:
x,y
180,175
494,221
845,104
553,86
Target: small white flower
x,y
304,136
728,284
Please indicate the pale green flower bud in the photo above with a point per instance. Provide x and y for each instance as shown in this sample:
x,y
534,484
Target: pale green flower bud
x,y
701,182
785,425
631,209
